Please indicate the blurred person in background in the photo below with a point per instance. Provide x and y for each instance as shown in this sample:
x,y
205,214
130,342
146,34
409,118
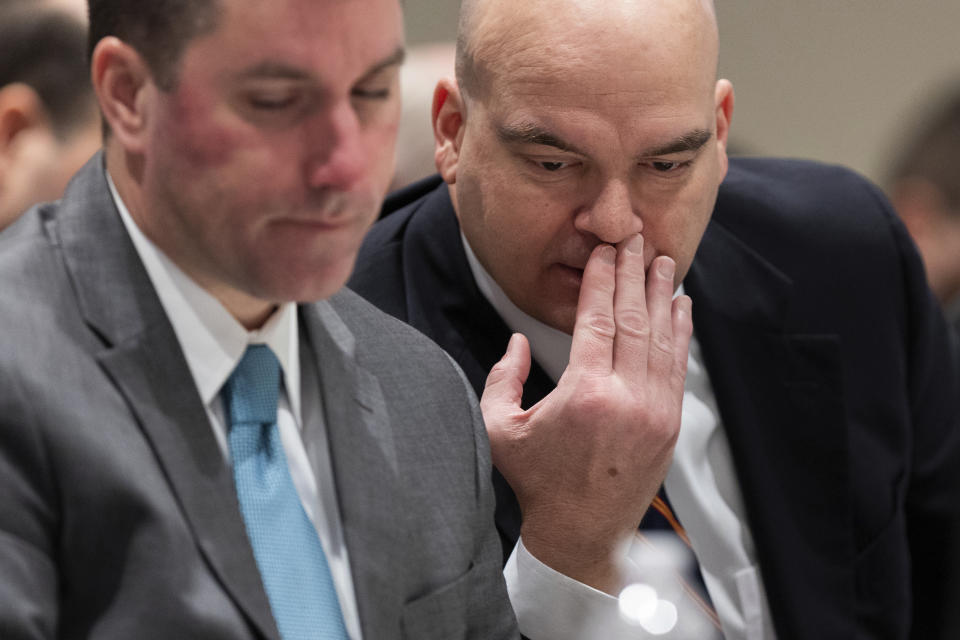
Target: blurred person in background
x,y
422,67
77,8
924,186
49,123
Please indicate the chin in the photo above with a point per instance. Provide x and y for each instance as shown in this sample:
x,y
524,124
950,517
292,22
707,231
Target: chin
x,y
560,314
303,285
324,282
557,317
317,291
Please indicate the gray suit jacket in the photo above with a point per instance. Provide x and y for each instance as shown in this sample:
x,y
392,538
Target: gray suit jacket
x,y
118,516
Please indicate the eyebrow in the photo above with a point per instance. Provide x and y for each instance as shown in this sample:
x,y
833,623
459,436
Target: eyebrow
x,y
690,141
271,69
527,133
394,59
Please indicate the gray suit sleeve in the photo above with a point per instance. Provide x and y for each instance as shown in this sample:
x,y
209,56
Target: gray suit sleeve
x,y
28,574
489,614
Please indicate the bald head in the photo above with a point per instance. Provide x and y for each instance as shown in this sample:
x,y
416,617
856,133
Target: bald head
x,y
579,122
497,36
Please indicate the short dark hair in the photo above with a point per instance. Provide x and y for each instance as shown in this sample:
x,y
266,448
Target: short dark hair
x,y
933,152
43,48
158,29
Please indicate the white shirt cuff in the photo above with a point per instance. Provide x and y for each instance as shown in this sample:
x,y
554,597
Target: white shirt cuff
x,y
550,605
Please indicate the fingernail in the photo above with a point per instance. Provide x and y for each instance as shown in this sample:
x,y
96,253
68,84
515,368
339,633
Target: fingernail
x,y
607,253
635,244
665,268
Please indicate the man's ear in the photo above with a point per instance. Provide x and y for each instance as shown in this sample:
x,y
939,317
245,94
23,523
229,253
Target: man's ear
x,y
122,80
21,111
449,121
723,106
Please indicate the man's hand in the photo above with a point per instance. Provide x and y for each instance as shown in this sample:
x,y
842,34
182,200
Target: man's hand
x,y
587,460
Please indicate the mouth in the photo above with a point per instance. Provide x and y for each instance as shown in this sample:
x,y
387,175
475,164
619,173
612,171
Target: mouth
x,y
319,225
571,276
329,224
329,213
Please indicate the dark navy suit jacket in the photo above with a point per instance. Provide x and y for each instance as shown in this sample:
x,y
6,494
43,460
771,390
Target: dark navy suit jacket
x,y
835,377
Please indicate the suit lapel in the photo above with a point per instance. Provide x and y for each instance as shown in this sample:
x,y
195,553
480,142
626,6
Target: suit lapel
x,y
364,462
141,355
444,302
780,398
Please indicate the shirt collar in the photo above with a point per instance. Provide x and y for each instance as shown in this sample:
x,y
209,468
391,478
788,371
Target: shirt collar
x,y
550,347
212,340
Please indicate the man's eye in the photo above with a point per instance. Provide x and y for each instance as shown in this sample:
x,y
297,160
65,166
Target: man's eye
x,y
553,166
267,102
666,167
371,94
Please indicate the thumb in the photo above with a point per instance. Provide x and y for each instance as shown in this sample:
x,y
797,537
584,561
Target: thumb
x,y
504,387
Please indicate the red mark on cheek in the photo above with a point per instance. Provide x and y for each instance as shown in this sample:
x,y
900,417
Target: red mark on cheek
x,y
203,130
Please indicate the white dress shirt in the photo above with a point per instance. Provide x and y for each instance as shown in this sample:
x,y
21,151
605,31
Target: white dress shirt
x,y
703,491
213,343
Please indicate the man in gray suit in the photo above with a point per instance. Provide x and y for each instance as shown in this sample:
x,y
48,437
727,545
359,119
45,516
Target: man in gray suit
x,y
248,147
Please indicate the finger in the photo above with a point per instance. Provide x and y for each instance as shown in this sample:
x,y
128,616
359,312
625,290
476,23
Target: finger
x,y
503,389
660,354
682,331
630,313
593,333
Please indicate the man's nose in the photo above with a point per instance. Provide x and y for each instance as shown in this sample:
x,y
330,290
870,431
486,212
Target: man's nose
x,y
336,155
610,216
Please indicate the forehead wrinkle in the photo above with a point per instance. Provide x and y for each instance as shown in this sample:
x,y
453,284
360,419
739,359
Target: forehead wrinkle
x,y
585,74
556,91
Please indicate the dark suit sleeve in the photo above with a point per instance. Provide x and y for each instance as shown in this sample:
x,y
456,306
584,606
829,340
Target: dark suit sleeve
x,y
932,487
933,494
28,574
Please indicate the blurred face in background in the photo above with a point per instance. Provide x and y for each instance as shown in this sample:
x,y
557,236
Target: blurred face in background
x,y
36,162
49,123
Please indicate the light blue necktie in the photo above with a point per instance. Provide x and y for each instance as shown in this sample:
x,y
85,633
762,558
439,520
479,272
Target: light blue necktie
x,y
291,560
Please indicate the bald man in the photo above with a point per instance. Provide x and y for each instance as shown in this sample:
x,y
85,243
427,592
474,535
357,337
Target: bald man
x,y
807,436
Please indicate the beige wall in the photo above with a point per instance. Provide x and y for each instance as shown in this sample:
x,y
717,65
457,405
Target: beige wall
x,y
835,80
